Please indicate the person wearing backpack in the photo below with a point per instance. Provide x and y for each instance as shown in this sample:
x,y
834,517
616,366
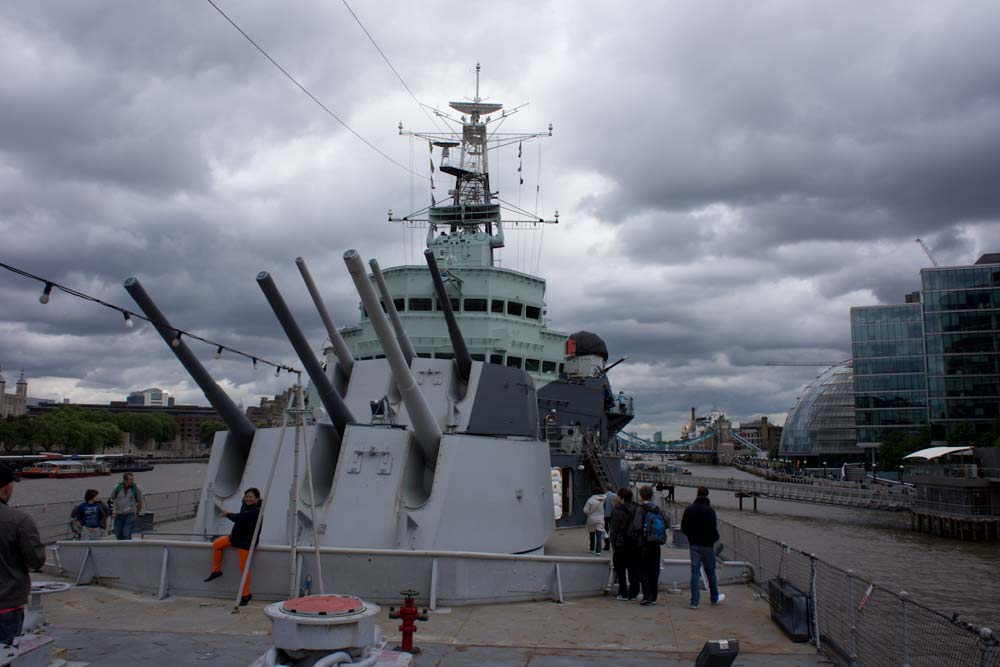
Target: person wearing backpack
x,y
654,530
126,503
626,548
89,517
701,527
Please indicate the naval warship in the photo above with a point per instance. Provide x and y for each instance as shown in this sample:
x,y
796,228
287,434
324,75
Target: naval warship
x,y
502,311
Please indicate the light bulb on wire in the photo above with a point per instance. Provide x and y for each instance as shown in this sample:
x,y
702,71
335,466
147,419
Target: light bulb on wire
x,y
218,353
176,342
44,298
128,320
254,362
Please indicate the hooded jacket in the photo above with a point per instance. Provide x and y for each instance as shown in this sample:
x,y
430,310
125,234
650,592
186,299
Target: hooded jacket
x,y
594,509
243,525
699,523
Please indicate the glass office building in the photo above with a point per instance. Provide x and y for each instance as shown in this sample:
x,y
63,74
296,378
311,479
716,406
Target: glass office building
x,y
820,429
890,382
961,312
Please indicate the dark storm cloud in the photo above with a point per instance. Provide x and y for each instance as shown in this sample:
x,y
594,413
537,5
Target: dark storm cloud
x,y
732,178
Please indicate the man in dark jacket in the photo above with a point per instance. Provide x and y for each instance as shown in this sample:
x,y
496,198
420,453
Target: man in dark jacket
x,y
701,527
626,557
649,552
21,549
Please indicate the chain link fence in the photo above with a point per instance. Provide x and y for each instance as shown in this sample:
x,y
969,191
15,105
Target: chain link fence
x,y
53,519
862,624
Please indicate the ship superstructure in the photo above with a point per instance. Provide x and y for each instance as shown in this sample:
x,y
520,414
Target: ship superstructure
x,y
502,311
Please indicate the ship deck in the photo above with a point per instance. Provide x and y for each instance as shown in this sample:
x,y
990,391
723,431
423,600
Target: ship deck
x,y
112,627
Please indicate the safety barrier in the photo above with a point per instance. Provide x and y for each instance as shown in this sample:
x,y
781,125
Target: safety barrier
x,y
53,520
864,624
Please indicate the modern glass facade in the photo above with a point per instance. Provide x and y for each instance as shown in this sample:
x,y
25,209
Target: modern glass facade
x,y
821,424
961,313
890,382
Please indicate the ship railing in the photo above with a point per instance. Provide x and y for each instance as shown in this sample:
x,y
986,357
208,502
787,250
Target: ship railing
x,y
861,622
954,509
53,522
621,405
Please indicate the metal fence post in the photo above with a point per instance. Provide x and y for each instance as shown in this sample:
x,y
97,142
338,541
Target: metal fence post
x,y
815,601
760,561
904,639
852,628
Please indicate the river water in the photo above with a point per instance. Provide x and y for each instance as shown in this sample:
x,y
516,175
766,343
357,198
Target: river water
x,y
947,575
164,477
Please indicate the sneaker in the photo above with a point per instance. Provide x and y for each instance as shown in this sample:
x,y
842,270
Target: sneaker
x,y
651,603
722,598
694,606
645,603
213,575
622,598
245,599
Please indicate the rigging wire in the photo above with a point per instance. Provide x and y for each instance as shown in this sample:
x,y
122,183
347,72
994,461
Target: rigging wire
x,y
306,90
130,315
420,104
538,192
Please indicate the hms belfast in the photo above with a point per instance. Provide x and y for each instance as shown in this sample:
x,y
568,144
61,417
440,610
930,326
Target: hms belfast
x,y
502,311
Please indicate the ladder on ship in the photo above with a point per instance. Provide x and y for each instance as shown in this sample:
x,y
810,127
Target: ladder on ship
x,y
594,455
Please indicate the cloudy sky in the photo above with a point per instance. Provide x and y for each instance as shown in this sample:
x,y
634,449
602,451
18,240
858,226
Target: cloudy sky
x,y
730,179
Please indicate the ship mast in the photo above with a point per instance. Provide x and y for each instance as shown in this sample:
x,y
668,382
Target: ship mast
x,y
473,207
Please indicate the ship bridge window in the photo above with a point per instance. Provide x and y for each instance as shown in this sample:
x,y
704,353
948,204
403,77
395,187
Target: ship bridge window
x,y
531,365
424,355
513,362
420,304
454,304
400,304
478,357
514,308
496,359
548,367
444,355
496,306
475,305
532,312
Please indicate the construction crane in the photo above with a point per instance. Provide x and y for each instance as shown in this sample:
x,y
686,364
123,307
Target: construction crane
x,y
928,251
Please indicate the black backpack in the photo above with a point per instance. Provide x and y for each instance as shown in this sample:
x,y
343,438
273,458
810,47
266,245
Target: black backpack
x,y
637,526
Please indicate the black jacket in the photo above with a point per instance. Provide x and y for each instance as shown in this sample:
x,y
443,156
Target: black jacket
x,y
621,517
699,523
20,550
243,525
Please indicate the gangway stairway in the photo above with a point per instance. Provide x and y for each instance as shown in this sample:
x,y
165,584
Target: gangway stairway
x,y
595,457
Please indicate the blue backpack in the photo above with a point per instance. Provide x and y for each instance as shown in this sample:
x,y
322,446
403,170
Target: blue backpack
x,y
655,530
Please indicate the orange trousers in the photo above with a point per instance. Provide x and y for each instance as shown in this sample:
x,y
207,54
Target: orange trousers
x,y
221,545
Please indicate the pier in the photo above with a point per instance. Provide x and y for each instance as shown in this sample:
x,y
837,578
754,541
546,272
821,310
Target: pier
x,y
808,493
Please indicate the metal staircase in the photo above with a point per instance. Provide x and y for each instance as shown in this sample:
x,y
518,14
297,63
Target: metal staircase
x,y
592,450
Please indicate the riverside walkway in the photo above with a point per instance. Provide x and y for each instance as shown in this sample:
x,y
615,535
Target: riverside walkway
x,y
821,494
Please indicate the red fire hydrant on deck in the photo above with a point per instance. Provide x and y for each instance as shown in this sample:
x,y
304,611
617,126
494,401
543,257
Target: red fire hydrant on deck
x,y
409,614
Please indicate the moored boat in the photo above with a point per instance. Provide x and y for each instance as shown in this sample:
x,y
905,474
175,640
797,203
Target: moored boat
x,y
66,469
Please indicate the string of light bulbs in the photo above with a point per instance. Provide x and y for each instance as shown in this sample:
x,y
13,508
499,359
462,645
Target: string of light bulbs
x,y
129,317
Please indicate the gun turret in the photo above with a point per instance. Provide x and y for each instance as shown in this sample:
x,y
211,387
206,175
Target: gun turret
x,y
339,413
390,308
462,357
240,438
344,356
425,427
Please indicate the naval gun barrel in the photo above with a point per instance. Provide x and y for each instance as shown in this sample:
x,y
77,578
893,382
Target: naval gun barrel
x,y
339,413
462,357
340,349
390,308
425,427
240,429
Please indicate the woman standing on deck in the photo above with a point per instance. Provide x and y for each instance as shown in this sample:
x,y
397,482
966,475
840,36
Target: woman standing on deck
x,y
594,509
241,537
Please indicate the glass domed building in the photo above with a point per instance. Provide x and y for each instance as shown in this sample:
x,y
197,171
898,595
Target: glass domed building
x,y
820,429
